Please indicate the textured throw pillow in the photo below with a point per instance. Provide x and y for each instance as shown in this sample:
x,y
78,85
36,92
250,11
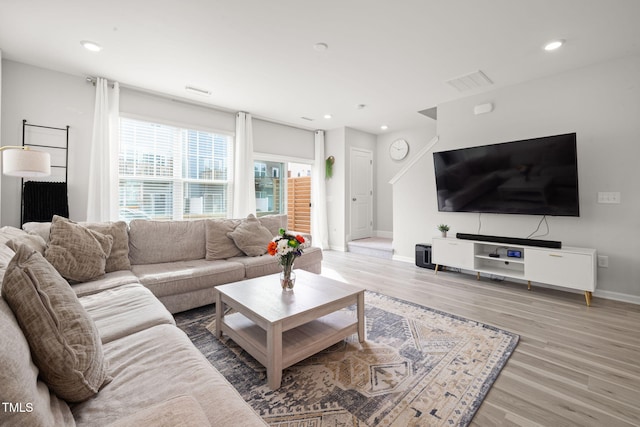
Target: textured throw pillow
x,y
119,257
274,223
251,237
33,241
64,341
218,245
77,253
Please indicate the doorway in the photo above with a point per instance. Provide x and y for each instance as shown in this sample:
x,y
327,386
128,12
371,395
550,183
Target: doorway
x,y
361,193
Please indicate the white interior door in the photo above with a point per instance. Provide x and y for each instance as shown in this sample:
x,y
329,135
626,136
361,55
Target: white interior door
x,y
361,193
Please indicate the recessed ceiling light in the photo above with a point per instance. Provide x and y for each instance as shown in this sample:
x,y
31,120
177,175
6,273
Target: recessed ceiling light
x,y
321,47
384,127
553,45
92,46
327,116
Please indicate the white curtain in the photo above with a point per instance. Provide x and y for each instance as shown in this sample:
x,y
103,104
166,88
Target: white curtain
x,y
102,203
244,191
319,225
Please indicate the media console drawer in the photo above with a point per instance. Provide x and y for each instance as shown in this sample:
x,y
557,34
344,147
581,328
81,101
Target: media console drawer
x,y
561,268
452,252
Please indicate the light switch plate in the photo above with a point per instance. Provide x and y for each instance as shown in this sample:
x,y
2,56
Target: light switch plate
x,y
609,197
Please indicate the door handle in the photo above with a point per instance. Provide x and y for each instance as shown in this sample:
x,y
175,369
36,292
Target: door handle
x,y
354,199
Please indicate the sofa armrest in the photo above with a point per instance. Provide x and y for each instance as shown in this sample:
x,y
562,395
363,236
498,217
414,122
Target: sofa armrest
x,y
182,411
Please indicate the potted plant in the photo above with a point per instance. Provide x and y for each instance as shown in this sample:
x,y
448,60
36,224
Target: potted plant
x,y
443,229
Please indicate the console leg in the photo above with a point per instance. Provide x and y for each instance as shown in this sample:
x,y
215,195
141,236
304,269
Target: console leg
x,y
478,276
587,297
437,268
528,285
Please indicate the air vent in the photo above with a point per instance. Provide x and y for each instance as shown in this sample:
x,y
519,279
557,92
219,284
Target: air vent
x,y
306,118
470,81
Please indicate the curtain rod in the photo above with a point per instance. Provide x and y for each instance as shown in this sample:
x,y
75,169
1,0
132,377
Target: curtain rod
x,y
93,80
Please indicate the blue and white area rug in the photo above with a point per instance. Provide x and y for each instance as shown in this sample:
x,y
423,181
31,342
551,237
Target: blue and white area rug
x,y
418,367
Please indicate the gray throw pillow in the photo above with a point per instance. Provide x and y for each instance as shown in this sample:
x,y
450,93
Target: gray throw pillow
x,y
251,237
64,341
79,254
119,257
218,245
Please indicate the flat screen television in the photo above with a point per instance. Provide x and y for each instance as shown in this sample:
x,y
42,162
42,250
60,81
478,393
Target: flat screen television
x,y
537,176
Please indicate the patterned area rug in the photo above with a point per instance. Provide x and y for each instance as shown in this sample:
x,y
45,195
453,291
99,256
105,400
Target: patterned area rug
x,y
418,367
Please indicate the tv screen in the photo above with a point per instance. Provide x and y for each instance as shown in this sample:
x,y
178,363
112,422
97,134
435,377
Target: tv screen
x,y
536,176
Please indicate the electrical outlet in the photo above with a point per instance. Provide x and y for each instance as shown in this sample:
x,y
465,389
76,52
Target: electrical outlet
x,y
609,197
603,261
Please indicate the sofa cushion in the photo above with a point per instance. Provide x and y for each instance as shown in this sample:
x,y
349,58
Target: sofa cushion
x,y
157,364
152,242
75,251
183,411
181,277
64,341
34,241
6,253
119,257
42,229
218,244
20,384
311,260
274,223
125,310
102,283
251,237
7,233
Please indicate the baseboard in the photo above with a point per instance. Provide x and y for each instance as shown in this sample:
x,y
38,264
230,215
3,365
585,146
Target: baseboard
x,y
338,248
617,296
404,259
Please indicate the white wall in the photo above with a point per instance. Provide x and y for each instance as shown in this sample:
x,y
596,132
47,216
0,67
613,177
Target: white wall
x,y
602,104
48,98
386,168
334,143
282,140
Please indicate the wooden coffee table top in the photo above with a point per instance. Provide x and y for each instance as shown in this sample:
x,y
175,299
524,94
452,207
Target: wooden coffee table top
x,y
264,295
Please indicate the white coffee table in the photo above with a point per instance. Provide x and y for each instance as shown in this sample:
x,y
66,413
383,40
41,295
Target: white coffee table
x,y
280,328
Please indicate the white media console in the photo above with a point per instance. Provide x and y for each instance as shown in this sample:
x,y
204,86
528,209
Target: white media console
x,y
568,267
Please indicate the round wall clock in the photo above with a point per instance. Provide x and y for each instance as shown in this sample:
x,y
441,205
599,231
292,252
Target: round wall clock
x,y
399,149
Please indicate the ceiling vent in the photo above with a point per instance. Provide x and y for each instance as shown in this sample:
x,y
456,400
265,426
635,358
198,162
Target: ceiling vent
x,y
470,81
306,118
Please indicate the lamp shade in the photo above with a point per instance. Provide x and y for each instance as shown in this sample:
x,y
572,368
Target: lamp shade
x,y
26,163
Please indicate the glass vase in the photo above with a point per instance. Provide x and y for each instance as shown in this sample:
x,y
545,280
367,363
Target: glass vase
x,y
287,278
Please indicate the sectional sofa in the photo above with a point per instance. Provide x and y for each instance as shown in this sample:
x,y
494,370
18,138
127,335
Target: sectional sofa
x,y
105,351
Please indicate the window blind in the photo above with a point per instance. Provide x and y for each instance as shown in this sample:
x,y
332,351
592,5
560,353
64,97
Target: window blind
x,y
167,172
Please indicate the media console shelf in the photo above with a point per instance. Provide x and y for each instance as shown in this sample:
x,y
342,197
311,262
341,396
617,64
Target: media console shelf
x,y
569,267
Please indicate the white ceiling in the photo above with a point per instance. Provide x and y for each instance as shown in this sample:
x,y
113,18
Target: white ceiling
x,y
257,55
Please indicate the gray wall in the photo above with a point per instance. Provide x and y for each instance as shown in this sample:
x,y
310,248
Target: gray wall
x,y
602,104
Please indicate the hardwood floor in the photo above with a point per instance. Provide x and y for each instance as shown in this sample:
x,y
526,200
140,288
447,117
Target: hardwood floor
x,y
574,365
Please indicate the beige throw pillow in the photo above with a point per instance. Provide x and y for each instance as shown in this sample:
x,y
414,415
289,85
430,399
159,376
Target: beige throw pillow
x,y
218,245
34,241
64,341
77,253
119,257
251,237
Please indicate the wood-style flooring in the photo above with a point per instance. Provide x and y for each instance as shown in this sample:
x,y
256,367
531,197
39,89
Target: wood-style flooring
x,y
574,365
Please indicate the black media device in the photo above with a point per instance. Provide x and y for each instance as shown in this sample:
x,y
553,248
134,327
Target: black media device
x,y
536,176
423,256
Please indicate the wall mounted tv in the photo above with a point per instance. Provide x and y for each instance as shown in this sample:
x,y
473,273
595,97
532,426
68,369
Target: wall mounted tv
x,y
536,176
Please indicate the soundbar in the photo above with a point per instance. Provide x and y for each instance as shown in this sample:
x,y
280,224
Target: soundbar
x,y
511,240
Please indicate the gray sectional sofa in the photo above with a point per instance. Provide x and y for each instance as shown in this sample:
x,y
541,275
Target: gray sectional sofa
x,y
150,373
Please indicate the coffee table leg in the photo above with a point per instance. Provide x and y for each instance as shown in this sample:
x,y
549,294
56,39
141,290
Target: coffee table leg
x,y
361,331
219,315
274,355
